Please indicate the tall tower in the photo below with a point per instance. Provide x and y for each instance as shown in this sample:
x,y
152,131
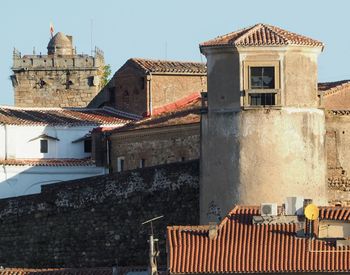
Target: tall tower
x,y
263,135
61,78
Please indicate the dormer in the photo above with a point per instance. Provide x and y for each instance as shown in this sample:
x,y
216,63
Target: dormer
x,y
262,66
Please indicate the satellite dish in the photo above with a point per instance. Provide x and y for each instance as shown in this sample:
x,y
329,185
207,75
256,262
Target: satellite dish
x,y
311,212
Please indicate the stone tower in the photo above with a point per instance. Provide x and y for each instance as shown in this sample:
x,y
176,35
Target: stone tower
x,y
263,134
61,78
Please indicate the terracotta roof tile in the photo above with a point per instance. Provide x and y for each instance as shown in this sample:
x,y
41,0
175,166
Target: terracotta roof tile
x,y
241,246
328,88
64,116
185,111
262,35
47,162
166,66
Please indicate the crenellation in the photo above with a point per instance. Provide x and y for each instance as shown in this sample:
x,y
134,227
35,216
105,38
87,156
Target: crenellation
x,y
59,79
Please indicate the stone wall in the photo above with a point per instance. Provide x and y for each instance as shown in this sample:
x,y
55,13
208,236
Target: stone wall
x,y
51,81
97,221
131,89
155,146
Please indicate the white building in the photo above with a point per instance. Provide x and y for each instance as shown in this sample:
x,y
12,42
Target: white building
x,y
46,145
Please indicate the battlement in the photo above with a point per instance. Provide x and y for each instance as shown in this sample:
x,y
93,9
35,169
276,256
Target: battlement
x,y
55,62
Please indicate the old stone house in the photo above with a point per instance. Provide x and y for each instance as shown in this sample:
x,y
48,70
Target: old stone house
x,y
60,78
171,136
143,86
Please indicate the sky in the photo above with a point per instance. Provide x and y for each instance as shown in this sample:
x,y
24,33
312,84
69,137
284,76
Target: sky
x,y
165,29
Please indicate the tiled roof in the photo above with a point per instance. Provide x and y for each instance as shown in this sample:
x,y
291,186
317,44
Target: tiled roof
x,y
47,162
241,246
56,271
261,35
178,113
63,116
339,112
328,88
166,66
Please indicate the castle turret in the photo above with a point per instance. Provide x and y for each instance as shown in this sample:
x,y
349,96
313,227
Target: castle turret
x,y
60,44
61,78
263,135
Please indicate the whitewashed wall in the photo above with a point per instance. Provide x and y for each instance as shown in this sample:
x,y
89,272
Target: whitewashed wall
x,y
20,146
23,180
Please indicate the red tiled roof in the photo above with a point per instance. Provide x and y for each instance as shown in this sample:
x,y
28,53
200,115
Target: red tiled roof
x,y
185,111
56,271
332,87
47,162
179,104
166,66
241,246
261,35
63,116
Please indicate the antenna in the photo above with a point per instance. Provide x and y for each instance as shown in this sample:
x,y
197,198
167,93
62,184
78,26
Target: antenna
x,y
91,25
153,253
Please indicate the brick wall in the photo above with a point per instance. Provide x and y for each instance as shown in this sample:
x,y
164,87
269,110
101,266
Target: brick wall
x,y
155,145
97,221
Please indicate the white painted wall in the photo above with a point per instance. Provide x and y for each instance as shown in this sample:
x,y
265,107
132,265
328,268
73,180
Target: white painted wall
x,y
23,180
20,146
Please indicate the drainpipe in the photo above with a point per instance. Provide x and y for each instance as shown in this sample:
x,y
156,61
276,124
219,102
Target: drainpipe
x,y
108,156
6,141
149,85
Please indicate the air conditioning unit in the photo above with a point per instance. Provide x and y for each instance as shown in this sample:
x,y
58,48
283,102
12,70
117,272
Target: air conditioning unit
x,y
294,206
268,209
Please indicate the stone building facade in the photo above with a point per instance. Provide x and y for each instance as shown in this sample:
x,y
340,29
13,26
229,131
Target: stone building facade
x,y
172,136
62,78
144,86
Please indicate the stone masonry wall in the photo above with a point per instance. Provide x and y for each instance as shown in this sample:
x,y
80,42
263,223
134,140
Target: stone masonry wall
x,y
97,221
56,81
156,146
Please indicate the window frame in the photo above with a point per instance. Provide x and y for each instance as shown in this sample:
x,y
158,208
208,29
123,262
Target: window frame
x,y
42,151
87,146
248,91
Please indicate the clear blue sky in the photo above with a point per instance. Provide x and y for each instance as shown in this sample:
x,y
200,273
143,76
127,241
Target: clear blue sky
x,y
166,29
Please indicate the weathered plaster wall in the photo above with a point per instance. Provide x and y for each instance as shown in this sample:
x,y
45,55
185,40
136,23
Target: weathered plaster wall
x,y
262,155
338,143
300,78
156,146
97,221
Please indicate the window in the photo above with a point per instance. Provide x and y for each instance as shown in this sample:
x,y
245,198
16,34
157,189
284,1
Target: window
x,y
142,163
87,145
120,164
90,80
261,83
262,77
44,146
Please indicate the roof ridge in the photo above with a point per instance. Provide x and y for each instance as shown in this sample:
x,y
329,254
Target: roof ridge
x,y
166,60
252,29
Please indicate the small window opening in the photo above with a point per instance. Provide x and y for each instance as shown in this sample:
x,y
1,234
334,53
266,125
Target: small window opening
x,y
90,81
120,164
44,148
142,163
87,146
